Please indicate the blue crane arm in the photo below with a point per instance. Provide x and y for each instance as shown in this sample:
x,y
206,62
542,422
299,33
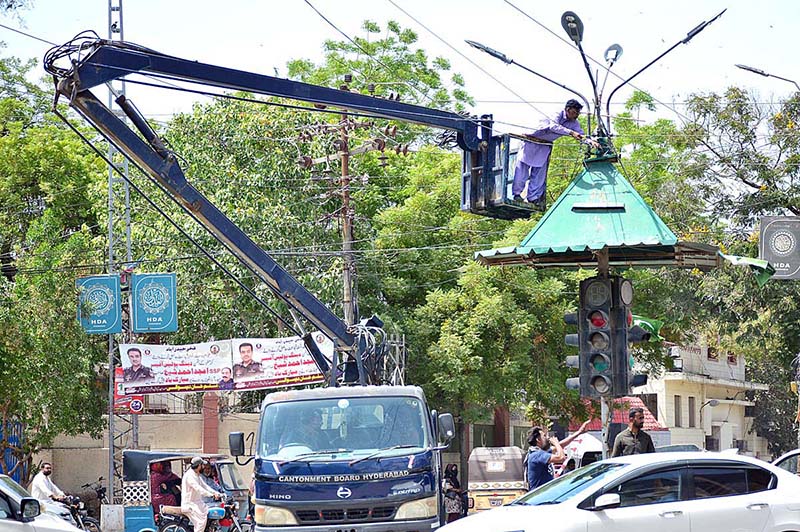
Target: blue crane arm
x,y
109,61
163,166
96,62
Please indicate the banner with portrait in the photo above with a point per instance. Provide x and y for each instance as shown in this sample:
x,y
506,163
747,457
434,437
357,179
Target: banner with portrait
x,y
237,364
276,362
173,368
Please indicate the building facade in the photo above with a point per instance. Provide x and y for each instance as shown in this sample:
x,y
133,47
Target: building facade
x,y
702,401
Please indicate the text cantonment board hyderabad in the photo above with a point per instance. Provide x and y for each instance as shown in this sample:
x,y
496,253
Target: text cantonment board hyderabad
x,y
237,364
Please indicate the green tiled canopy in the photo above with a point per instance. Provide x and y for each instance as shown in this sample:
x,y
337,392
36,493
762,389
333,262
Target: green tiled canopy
x,y
600,209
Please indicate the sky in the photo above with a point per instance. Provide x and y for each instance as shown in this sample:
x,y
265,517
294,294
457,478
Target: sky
x,y
262,35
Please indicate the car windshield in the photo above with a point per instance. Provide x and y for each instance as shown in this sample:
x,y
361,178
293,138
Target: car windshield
x,y
9,485
567,485
349,428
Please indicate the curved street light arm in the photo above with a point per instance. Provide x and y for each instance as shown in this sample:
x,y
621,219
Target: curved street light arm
x,y
689,36
576,93
507,60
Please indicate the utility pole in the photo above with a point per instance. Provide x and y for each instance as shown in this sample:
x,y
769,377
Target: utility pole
x,y
346,215
123,430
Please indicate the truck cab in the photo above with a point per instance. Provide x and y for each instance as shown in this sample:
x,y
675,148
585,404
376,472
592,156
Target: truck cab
x,y
365,455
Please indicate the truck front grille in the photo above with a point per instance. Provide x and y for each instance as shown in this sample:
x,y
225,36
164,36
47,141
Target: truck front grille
x,y
340,515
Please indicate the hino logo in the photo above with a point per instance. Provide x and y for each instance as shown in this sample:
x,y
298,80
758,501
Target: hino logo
x,y
343,493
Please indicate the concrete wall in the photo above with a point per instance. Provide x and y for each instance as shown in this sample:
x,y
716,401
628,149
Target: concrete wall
x,y
719,365
80,460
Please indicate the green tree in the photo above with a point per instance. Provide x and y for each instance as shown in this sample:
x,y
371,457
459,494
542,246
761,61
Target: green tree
x,y
49,194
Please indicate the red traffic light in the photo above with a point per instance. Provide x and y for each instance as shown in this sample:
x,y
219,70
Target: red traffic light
x,y
598,319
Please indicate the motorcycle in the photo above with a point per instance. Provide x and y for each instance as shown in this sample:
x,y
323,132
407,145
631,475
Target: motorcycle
x,y
80,515
170,519
99,489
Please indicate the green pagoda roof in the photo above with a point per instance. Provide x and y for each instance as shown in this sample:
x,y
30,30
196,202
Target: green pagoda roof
x,y
600,209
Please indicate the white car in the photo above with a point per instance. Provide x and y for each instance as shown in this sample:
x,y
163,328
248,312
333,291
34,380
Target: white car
x,y
789,461
664,492
19,512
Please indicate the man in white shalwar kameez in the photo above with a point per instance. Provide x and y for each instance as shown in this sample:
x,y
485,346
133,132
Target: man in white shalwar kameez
x,y
193,489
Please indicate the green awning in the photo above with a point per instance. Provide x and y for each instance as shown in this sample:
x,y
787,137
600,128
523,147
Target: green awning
x,y
600,209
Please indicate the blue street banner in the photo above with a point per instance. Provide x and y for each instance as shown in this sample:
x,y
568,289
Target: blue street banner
x,y
154,306
99,309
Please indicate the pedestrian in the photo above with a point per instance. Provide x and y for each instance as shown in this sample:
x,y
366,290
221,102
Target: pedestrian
x,y
452,493
534,157
633,440
43,488
193,489
136,371
540,458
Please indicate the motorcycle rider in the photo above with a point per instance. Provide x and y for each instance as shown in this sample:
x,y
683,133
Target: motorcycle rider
x,y
43,488
193,489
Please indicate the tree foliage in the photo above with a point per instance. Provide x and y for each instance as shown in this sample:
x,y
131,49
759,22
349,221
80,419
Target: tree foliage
x,y
477,338
49,201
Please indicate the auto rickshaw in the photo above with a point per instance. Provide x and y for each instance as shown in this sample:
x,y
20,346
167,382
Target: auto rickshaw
x,y
496,477
137,467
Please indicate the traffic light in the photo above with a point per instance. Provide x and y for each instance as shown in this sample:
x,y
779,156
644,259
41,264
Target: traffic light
x,y
573,361
595,338
624,332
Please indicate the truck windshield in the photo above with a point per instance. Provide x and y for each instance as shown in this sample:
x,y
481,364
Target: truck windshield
x,y
350,428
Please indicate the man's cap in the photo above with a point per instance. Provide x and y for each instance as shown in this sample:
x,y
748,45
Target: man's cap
x,y
573,103
197,460
633,411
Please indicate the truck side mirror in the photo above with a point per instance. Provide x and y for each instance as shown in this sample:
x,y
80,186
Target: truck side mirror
x,y
447,427
236,443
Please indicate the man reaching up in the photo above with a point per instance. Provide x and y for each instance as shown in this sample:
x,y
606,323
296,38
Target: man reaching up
x,y
534,157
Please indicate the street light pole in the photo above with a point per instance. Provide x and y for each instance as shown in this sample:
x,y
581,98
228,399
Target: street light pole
x,y
689,36
507,60
712,403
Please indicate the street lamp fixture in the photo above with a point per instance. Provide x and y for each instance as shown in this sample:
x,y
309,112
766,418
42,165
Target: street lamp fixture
x,y
760,72
710,402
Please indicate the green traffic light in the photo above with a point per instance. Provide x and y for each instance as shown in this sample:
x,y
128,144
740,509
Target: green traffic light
x,y
600,363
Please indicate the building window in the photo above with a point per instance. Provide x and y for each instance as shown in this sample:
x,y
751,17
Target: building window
x,y
678,411
692,408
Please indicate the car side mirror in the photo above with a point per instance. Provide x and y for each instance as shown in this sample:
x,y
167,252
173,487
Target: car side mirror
x,y
606,500
236,443
447,427
29,509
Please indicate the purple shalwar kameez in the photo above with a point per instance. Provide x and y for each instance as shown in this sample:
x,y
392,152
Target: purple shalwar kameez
x,y
533,158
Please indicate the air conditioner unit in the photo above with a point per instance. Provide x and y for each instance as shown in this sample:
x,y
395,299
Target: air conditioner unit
x,y
741,445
